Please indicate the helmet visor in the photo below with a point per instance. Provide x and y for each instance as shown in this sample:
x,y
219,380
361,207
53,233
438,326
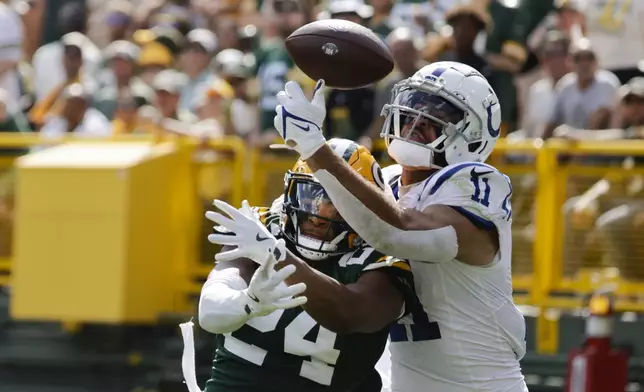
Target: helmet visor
x,y
317,217
422,117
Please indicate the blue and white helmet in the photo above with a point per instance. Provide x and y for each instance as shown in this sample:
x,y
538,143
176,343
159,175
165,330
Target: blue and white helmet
x,y
460,105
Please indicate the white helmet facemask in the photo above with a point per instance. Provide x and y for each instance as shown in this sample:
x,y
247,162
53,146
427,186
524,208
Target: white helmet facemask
x,y
421,104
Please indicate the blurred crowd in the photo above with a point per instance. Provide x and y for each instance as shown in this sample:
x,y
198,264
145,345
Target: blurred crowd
x,y
212,68
208,68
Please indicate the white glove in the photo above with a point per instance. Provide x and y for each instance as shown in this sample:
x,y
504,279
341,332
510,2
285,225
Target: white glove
x,y
299,121
268,292
251,237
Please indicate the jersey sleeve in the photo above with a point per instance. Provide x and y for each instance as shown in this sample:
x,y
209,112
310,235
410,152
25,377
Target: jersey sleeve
x,y
478,191
398,271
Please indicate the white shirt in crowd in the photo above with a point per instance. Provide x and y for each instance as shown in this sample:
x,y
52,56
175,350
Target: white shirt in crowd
x,y
539,107
94,124
49,72
11,40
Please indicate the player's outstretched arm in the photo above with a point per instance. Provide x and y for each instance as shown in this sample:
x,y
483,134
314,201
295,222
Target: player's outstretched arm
x,y
367,306
229,299
221,305
431,235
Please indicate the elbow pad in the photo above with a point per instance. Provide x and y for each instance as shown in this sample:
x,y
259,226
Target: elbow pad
x,y
222,302
434,245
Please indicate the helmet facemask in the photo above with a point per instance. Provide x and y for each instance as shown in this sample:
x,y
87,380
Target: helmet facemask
x,y
417,108
311,222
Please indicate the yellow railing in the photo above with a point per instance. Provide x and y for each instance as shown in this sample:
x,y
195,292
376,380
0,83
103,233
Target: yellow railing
x,y
541,180
586,279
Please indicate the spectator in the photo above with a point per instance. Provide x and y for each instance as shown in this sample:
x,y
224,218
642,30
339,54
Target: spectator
x,y
76,116
631,109
11,45
159,48
248,37
73,61
274,65
586,96
126,119
212,108
418,15
49,71
632,98
227,34
173,14
118,19
234,67
120,57
168,85
31,14
355,11
381,22
540,103
466,22
349,112
407,61
200,47
164,115
617,34
153,59
630,118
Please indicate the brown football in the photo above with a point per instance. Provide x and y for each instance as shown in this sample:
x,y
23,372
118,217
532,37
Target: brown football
x,y
345,54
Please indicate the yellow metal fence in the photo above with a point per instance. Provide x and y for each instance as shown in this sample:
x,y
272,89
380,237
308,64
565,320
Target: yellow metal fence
x,y
577,210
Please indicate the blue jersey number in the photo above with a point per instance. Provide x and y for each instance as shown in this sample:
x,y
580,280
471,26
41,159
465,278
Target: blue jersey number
x,y
482,183
476,181
421,329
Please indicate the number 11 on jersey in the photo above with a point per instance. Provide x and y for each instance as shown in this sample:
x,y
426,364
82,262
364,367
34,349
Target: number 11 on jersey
x,y
476,181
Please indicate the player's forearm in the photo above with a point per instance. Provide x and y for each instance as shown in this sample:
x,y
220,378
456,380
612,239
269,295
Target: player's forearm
x,y
363,207
367,194
333,305
423,237
222,303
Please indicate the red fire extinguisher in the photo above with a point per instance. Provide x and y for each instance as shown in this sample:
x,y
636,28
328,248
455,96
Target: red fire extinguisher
x,y
597,366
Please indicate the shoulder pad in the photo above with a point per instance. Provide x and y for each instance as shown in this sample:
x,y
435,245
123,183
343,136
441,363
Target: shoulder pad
x,y
369,259
389,262
474,187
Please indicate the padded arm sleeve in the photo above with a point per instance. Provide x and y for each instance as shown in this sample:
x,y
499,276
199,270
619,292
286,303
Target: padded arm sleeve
x,y
222,302
434,246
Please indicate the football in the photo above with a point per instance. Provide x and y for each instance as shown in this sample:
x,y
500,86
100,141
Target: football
x,y
345,54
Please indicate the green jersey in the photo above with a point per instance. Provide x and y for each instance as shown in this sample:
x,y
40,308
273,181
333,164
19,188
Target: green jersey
x,y
288,351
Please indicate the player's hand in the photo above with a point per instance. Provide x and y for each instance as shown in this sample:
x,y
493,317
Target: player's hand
x,y
267,291
249,235
298,120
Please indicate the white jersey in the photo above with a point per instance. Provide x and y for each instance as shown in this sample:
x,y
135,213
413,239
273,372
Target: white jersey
x,y
468,336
